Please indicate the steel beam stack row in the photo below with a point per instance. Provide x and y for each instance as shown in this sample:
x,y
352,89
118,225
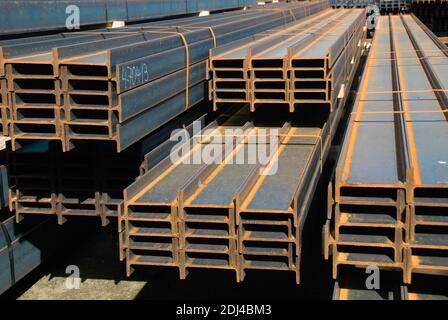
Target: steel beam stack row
x,y
88,181
187,213
304,64
118,84
38,16
389,199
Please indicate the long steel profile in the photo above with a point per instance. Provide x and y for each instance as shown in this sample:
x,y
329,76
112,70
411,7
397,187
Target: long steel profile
x,y
89,85
390,192
294,66
152,228
88,181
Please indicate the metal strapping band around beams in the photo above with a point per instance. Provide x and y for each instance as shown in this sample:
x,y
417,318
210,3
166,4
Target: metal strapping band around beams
x,y
397,112
401,51
411,58
210,29
10,252
187,53
187,59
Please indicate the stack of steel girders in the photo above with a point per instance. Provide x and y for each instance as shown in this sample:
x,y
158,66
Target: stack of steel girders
x,y
188,213
151,214
88,181
389,199
295,66
426,101
38,16
119,84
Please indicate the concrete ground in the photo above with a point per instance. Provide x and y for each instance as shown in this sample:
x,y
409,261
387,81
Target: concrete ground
x,y
99,271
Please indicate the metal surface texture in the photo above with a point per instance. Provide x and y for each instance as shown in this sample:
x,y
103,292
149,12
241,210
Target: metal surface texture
x,y
39,16
93,85
304,63
389,196
198,215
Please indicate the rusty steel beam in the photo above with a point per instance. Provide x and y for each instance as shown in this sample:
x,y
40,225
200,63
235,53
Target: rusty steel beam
x,y
390,192
152,229
88,181
301,64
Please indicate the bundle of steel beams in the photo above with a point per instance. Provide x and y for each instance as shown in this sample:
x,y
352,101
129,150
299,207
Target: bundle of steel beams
x,y
39,16
389,198
304,63
88,181
119,84
227,214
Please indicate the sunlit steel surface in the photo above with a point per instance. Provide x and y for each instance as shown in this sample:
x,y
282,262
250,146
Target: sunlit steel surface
x,y
389,198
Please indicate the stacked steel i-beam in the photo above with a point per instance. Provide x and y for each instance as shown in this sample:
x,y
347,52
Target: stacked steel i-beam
x,y
88,181
295,66
236,215
109,89
119,84
390,197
